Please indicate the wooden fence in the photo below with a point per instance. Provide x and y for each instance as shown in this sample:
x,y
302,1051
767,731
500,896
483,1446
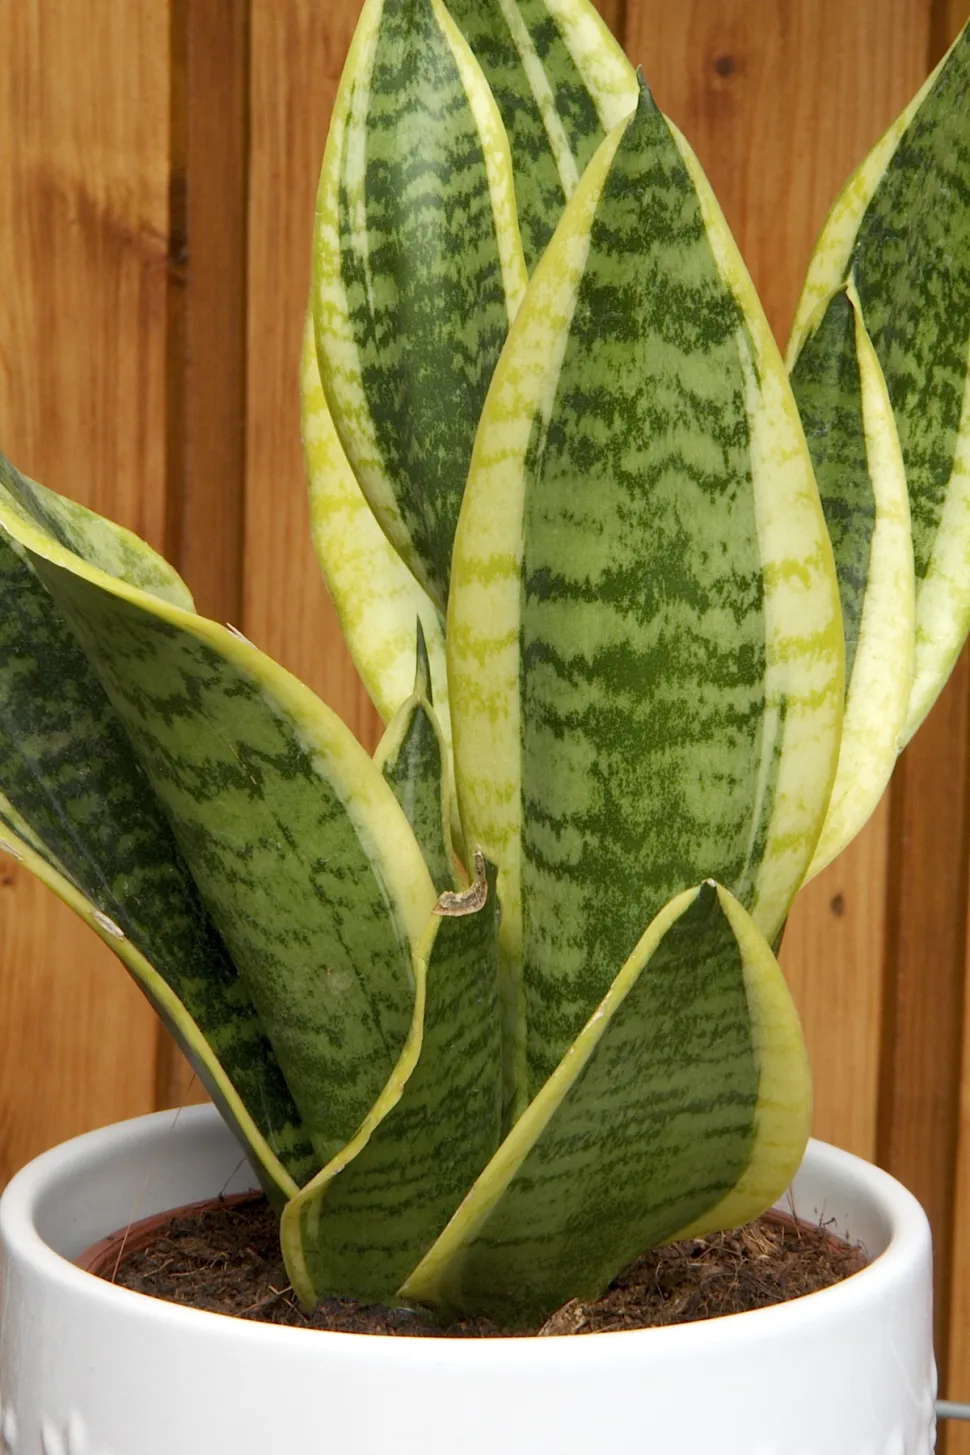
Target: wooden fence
x,y
158,160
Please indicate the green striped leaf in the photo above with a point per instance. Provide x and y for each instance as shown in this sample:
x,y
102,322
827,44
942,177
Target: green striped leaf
x,y
561,83
269,1131
117,551
377,599
77,809
269,1134
644,641
844,405
298,847
363,1224
412,757
418,269
684,1105
901,228
19,832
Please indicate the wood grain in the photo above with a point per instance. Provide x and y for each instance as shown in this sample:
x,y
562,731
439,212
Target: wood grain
x,y
832,956
954,1301
947,17
925,969
298,51
923,1138
954,1304
956,1375
78,1039
84,98
207,301
206,338
957,1372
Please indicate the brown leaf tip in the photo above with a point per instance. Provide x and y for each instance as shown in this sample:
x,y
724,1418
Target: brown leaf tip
x,y
466,901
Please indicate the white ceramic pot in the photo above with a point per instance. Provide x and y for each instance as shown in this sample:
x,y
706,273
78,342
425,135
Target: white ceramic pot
x,y
90,1369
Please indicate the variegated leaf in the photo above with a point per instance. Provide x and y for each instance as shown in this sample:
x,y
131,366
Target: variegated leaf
x,y
299,849
364,1223
418,269
268,1130
644,640
77,810
377,599
901,228
16,828
851,433
412,757
683,1106
86,534
561,83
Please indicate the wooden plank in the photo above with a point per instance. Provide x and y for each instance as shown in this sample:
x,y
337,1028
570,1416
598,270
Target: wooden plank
x,y
956,1383
84,112
206,339
78,1039
921,1137
298,51
207,305
948,17
833,956
924,984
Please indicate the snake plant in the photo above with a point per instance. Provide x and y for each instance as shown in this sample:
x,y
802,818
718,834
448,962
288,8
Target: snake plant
x,y
648,617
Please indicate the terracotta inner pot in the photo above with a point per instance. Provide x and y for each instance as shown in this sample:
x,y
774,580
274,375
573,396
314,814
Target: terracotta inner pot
x,y
103,1257
696,1279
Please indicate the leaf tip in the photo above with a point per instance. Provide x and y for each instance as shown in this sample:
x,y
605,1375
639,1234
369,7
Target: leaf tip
x,y
645,102
422,667
467,901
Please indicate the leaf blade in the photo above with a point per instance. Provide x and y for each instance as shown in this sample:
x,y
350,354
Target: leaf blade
x,y
367,1218
641,1123
561,82
412,757
84,533
377,598
80,814
845,406
898,229
301,854
568,622
416,166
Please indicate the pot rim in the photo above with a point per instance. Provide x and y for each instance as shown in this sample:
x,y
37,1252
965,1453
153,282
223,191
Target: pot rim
x,y
906,1246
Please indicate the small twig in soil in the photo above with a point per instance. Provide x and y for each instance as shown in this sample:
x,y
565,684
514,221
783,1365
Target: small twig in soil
x,y
260,1304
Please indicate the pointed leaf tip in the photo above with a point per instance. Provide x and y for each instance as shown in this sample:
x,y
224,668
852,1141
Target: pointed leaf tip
x,y
422,668
645,101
